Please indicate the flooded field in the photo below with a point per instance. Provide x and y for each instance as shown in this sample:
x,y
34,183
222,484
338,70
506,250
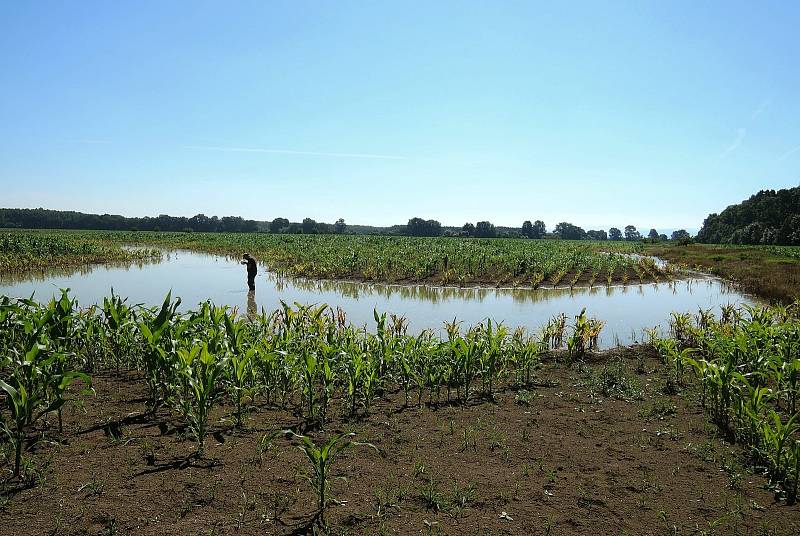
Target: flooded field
x,y
196,277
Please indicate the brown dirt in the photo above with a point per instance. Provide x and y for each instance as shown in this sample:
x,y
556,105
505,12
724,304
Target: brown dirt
x,y
570,462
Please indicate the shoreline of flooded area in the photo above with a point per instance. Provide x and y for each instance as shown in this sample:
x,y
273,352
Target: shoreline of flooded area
x,y
197,277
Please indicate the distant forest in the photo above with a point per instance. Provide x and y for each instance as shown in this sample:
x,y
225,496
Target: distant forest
x,y
39,218
768,217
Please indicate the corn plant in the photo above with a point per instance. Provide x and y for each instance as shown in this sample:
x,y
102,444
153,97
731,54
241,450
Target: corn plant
x,y
321,458
240,363
310,369
576,344
201,372
36,388
156,359
745,363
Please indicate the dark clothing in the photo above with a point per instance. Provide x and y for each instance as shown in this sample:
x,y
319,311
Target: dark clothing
x,y
252,270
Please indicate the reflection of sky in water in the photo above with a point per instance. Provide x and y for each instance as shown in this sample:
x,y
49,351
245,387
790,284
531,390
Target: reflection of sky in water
x,y
197,277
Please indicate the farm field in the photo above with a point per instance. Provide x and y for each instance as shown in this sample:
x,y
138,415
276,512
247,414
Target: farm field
x,y
418,269
22,252
206,419
448,261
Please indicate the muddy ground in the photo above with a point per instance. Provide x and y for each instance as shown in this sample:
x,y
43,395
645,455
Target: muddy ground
x,y
596,448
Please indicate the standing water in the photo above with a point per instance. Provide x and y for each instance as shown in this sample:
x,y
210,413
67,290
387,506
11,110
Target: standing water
x,y
196,277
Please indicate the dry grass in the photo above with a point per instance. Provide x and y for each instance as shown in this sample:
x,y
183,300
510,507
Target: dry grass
x,y
756,270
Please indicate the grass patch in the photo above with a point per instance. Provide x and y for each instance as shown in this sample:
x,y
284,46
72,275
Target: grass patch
x,y
772,273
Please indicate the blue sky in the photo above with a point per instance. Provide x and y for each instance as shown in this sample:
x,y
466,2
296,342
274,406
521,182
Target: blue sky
x,y
599,113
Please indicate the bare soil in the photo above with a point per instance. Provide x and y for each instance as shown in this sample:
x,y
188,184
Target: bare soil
x,y
557,458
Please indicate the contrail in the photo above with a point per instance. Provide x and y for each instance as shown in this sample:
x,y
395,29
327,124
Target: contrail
x,y
740,134
789,153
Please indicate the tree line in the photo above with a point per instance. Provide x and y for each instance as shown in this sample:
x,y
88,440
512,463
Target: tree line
x,y
58,219
534,230
307,226
768,217
39,218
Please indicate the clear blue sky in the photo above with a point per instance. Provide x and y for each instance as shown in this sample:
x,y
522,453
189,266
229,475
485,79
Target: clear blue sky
x,y
601,113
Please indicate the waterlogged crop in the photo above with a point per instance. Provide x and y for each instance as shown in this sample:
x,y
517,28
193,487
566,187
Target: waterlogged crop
x,y
585,333
447,261
23,251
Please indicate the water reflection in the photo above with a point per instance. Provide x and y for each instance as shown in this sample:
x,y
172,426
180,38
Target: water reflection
x,y
196,277
81,270
438,294
252,307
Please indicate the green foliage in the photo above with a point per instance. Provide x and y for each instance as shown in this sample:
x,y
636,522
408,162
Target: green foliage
x,y
375,258
36,368
200,374
299,357
748,364
420,227
23,251
568,231
768,217
444,260
585,333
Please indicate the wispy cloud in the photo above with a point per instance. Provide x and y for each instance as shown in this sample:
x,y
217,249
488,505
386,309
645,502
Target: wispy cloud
x,y
292,152
789,153
740,134
760,110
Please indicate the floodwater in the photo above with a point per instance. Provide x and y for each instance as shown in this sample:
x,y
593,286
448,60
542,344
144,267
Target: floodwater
x,y
197,277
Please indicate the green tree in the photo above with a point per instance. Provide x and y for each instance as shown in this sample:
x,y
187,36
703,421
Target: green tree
x,y
309,226
768,217
278,225
614,234
485,229
597,235
631,234
568,231
527,229
420,227
539,229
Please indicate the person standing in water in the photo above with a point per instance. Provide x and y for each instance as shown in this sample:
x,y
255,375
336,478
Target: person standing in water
x,y
252,270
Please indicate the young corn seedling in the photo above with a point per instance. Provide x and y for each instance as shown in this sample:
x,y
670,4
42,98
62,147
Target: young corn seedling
x,y
321,458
